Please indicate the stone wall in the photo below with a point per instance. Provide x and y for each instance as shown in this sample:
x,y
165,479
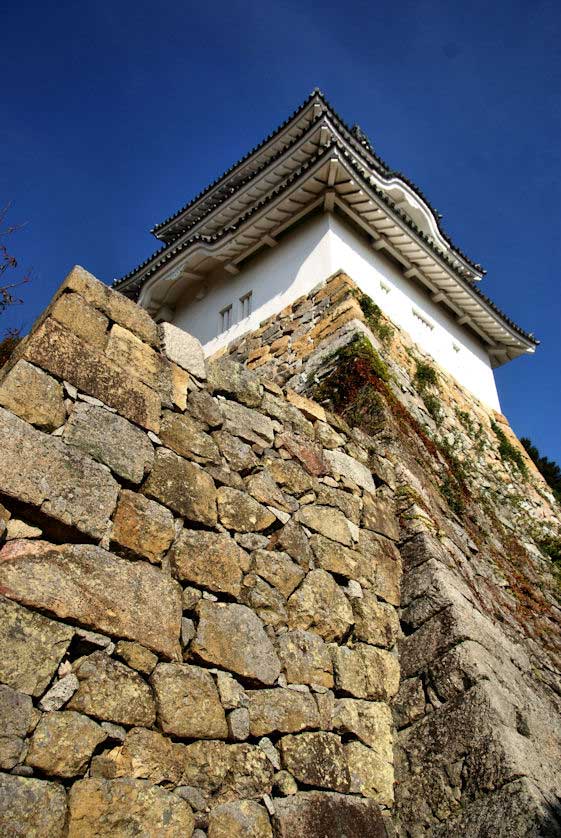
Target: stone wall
x,y
199,587
478,749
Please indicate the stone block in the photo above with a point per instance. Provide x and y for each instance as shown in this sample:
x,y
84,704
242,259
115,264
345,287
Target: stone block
x,y
320,605
188,702
316,759
365,671
344,466
238,511
63,743
67,485
371,775
143,363
32,648
381,566
328,815
376,622
142,526
312,410
111,440
327,521
61,353
281,711
143,755
90,586
232,637
306,451
183,349
334,557
249,425
17,718
305,658
187,438
212,560
231,379
370,721
114,305
136,656
30,807
73,312
227,772
33,396
183,486
378,515
121,808
239,819
278,569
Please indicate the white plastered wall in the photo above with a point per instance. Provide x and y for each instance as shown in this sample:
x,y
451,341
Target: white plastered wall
x,y
309,255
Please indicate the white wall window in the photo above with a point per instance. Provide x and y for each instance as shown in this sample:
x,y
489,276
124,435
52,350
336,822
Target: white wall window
x,y
245,305
225,318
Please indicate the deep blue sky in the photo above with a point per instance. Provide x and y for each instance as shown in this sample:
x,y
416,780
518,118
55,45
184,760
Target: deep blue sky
x,y
115,113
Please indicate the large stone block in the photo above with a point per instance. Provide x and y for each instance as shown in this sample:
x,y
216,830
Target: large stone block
x,y
239,819
31,808
183,486
144,755
211,559
328,815
33,396
316,759
143,363
381,566
17,718
249,425
183,349
123,808
61,353
370,721
227,772
187,438
63,743
114,305
92,587
365,671
305,658
281,711
371,775
238,511
73,312
327,521
32,648
320,605
375,622
111,440
142,526
188,702
67,485
232,379
344,466
233,638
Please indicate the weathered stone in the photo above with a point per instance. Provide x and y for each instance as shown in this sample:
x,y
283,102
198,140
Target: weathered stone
x,y
305,658
183,349
19,529
63,743
145,365
285,783
335,558
327,437
238,724
278,569
263,488
117,307
375,622
267,602
281,711
72,311
186,437
84,583
136,656
371,775
111,440
205,408
294,541
43,471
239,455
327,521
342,465
370,721
303,449
31,808
33,396
312,410
378,515
61,353
179,386
142,526
188,702
241,513
366,672
183,486
210,559
381,566
122,808
32,648
111,691
239,819
232,637
144,755
320,605
290,475
409,703
17,718
287,415
232,379
248,424
350,505
328,815
60,693
316,759
227,772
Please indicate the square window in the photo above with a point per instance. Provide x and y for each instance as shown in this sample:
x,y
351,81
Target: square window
x,y
245,305
225,318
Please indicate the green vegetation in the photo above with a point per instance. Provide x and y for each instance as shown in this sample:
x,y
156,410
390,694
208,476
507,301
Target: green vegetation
x,y
425,377
375,319
509,452
452,494
549,469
